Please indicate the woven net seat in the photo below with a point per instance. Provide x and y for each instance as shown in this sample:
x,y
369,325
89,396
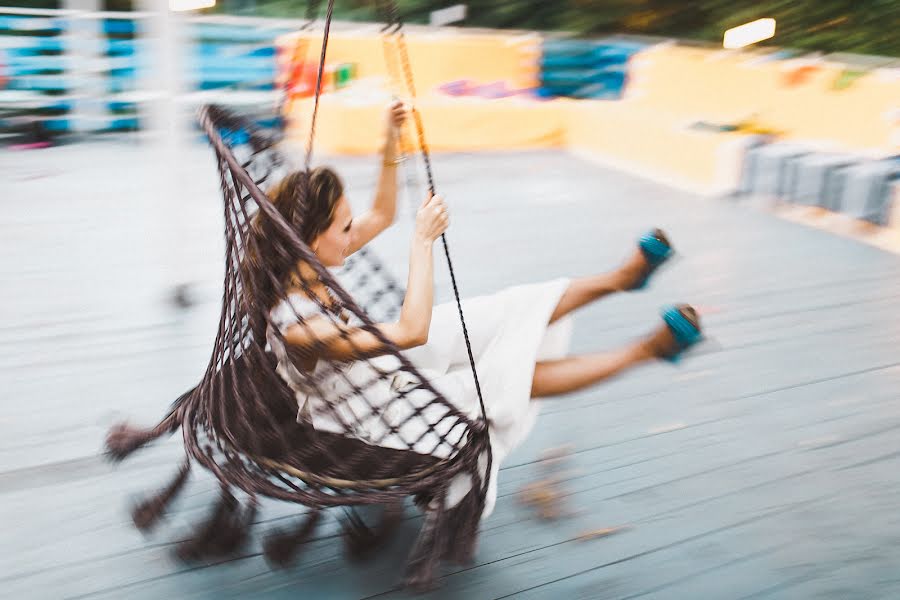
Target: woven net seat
x,y
241,421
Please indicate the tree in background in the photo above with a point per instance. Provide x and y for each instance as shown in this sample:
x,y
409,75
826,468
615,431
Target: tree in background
x,y
867,26
863,26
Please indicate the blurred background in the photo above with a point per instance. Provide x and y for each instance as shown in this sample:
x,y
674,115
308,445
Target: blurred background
x,y
764,137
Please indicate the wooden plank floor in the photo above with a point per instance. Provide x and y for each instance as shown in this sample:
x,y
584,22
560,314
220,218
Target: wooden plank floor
x,y
763,467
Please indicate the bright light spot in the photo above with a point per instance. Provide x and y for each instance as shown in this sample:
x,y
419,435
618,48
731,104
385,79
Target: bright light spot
x,y
184,5
751,33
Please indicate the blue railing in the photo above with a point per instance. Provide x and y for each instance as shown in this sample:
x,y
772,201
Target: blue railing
x,y
45,72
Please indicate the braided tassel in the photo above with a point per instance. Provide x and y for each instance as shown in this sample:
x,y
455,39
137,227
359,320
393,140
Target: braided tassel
x,y
428,549
147,514
462,528
280,547
123,439
360,540
223,533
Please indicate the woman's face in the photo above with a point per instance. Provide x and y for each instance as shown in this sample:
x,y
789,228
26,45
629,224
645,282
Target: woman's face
x,y
333,244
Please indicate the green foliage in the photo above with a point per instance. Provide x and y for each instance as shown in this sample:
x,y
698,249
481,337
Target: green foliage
x,y
863,26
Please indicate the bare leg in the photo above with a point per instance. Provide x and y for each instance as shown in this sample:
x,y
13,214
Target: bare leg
x,y
585,290
570,374
573,373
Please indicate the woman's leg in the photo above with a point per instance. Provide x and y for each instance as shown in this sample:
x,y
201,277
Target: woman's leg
x,y
570,374
585,290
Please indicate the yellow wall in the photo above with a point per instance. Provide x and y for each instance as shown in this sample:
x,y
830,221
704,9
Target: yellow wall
x,y
451,124
711,85
648,132
436,57
647,141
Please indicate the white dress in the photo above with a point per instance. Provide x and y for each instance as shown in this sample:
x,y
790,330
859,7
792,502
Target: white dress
x,y
509,333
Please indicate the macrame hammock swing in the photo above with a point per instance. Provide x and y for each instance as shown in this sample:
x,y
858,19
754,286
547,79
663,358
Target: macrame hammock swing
x,y
241,422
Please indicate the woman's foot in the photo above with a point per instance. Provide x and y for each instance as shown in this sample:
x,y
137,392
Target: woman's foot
x,y
653,249
679,331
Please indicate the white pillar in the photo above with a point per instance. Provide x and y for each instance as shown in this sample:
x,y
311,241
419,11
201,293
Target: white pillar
x,y
84,52
164,48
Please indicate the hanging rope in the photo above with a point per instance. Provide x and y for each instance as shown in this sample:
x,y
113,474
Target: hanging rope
x,y
312,126
395,82
297,60
393,31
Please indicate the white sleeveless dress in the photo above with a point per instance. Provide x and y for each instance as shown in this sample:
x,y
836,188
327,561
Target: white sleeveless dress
x,y
509,333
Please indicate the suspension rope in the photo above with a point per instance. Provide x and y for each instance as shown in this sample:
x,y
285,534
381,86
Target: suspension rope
x,y
393,30
297,61
312,126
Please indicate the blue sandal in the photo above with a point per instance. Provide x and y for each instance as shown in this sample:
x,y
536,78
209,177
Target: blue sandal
x,y
657,249
684,324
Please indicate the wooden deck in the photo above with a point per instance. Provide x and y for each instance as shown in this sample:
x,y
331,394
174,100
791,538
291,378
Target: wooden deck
x,y
764,467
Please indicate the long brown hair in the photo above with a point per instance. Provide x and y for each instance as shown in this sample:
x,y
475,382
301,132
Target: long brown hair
x,y
307,201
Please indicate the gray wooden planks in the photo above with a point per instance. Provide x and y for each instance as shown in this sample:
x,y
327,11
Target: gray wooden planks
x,y
761,468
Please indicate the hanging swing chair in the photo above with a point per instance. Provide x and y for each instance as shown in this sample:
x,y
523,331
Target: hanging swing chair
x,y
384,432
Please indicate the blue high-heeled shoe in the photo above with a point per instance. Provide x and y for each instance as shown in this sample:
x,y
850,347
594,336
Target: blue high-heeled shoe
x,y
684,324
657,249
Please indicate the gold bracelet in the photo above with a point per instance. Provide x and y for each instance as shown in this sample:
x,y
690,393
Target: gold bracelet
x,y
393,163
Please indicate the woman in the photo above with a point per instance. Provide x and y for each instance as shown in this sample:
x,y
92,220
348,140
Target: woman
x,y
519,336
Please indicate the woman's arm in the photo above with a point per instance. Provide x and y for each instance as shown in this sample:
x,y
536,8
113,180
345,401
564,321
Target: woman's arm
x,y
342,342
384,207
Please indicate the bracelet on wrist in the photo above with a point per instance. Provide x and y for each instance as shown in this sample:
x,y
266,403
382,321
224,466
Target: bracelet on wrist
x,y
393,162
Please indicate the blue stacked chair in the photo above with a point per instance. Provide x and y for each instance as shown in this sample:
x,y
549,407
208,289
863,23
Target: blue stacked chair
x,y
237,58
585,69
233,56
